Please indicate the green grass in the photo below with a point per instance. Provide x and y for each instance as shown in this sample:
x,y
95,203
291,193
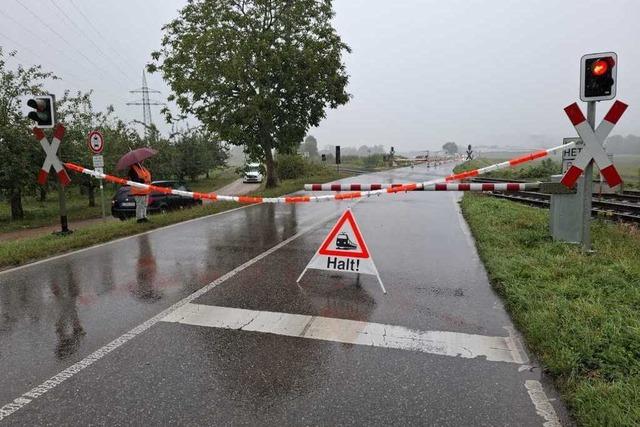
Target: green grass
x,y
629,168
217,179
579,313
38,214
30,249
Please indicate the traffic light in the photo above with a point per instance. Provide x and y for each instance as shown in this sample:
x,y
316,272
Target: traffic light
x,y
598,72
44,114
338,160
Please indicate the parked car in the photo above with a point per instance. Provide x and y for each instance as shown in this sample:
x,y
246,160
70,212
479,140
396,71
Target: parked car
x,y
252,173
123,205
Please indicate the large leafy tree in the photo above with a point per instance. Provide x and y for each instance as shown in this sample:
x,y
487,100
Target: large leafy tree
x,y
258,73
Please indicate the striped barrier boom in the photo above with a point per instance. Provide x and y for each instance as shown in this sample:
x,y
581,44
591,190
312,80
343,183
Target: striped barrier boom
x,y
454,177
239,199
488,186
509,186
303,199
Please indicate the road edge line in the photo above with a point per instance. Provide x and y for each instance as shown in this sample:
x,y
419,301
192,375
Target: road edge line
x,y
48,385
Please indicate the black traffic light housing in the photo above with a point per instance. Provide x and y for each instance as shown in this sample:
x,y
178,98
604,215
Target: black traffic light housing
x,y
44,114
598,75
338,160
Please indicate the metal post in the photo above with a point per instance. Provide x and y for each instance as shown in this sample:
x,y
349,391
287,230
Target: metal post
x,y
104,215
63,210
587,186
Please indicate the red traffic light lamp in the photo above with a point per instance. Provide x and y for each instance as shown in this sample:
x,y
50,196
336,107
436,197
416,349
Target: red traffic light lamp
x,y
599,67
598,73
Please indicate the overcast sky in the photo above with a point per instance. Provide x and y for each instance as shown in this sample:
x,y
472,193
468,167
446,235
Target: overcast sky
x,y
422,72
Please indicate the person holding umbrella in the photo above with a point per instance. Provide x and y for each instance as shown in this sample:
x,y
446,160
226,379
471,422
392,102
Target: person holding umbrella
x,y
138,173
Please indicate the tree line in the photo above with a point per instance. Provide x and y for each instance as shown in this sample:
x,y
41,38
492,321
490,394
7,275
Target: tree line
x,y
186,154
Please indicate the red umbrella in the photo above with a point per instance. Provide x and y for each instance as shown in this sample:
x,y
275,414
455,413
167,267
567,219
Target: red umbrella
x,y
135,156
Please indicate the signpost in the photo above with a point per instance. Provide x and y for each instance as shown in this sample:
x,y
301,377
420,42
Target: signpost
x,y
598,81
95,141
344,250
50,161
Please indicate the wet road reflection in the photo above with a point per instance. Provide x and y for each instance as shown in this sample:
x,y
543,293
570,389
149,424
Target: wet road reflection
x,y
146,270
77,303
68,327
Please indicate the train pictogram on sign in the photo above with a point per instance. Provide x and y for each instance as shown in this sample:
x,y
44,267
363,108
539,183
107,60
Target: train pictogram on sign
x,y
344,250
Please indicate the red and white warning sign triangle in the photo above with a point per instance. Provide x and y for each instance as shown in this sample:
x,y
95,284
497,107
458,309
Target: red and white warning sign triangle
x,y
344,250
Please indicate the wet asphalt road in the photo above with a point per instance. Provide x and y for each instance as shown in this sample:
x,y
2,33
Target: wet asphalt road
x,y
57,312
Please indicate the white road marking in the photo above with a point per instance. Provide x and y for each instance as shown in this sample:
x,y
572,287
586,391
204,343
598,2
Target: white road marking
x,y
544,408
516,344
21,401
455,344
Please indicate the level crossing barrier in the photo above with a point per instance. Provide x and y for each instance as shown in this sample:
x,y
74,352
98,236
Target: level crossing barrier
x,y
302,199
454,177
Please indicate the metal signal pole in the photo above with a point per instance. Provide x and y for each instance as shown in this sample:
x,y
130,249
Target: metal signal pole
x,y
587,186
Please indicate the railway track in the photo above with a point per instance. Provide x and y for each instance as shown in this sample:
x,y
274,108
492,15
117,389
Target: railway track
x,y
617,207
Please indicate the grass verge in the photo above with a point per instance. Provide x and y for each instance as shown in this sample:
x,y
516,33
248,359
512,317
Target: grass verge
x,y
30,249
39,214
579,313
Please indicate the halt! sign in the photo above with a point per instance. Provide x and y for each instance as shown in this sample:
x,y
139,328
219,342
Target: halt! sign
x,y
344,250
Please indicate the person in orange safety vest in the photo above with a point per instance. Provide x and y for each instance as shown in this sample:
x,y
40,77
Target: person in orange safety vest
x,y
139,173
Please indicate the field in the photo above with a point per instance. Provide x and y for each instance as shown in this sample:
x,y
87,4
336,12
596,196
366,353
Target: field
x,y
579,313
38,214
629,168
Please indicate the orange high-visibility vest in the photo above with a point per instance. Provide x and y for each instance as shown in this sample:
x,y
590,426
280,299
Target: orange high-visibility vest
x,y
144,174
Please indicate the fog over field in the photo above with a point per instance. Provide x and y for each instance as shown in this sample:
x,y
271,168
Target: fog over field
x,y
422,72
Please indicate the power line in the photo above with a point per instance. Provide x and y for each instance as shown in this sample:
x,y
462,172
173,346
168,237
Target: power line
x,y
88,38
97,31
43,40
39,56
38,61
63,39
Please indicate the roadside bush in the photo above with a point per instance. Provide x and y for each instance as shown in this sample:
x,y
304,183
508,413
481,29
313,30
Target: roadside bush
x,y
291,166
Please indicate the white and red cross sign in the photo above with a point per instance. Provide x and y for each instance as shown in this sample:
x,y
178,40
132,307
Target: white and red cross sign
x,y
52,159
593,141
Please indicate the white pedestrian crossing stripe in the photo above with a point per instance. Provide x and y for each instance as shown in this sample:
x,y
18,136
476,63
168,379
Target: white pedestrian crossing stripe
x,y
455,344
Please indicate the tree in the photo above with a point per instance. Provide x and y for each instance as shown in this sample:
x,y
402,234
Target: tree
x,y
20,153
450,147
310,146
257,73
197,152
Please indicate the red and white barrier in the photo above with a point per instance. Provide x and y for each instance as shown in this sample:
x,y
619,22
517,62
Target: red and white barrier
x,y
240,199
509,186
485,186
349,187
455,177
303,199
